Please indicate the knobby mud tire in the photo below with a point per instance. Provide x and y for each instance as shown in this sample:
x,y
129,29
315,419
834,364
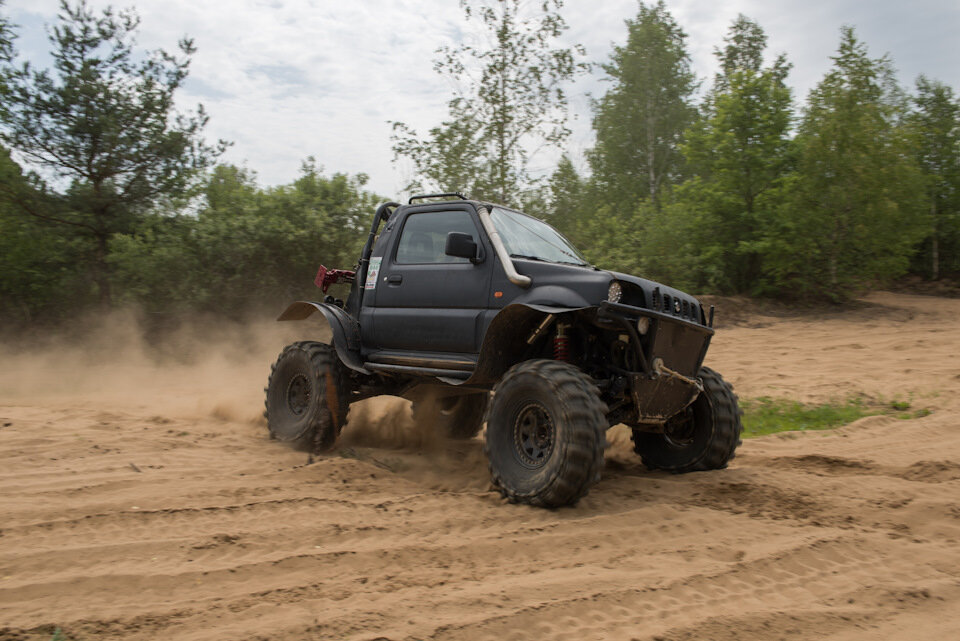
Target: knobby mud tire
x,y
306,397
713,438
554,395
458,417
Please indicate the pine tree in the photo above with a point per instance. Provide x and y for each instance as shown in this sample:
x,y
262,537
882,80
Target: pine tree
x,y
640,120
566,196
738,152
936,122
855,211
102,121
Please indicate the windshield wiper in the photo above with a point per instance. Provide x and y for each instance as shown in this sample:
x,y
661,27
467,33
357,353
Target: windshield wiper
x,y
537,258
547,260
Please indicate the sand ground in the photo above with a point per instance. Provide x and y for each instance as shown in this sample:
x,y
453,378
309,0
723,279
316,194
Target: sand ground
x,y
144,501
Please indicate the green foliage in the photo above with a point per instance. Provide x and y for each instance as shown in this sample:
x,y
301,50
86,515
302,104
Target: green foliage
x,y
594,236
766,415
249,247
854,212
38,273
936,125
566,192
840,206
702,233
451,159
102,122
625,221
515,101
645,241
739,153
639,121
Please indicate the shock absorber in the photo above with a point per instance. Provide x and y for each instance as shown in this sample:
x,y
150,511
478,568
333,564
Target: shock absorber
x,y
561,344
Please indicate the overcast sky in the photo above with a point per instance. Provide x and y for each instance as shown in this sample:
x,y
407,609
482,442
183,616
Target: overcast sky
x,y
285,79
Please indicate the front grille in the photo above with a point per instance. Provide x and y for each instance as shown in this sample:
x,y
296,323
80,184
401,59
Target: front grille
x,y
675,306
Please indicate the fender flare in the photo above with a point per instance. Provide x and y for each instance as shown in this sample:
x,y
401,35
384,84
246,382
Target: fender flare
x,y
505,340
345,330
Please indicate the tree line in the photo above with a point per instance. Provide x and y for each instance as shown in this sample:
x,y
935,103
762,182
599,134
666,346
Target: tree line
x,y
110,196
737,192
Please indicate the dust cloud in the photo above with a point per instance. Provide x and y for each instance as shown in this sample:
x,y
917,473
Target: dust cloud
x,y
203,368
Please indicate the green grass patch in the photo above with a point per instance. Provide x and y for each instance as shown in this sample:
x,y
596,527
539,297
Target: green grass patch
x,y
920,413
767,415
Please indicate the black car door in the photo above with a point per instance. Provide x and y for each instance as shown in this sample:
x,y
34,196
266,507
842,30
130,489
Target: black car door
x,y
426,300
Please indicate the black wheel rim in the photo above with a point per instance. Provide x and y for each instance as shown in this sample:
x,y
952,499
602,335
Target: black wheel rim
x,y
681,430
298,394
534,435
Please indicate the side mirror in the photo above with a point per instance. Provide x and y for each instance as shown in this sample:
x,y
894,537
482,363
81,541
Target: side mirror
x,y
462,246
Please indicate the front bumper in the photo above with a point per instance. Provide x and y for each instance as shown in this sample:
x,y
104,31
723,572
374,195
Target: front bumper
x,y
670,352
680,343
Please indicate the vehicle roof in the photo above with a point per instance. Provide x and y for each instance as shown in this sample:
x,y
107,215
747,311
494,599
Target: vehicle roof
x,y
465,201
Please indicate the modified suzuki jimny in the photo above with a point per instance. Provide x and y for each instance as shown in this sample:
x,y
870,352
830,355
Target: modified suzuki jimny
x,y
480,314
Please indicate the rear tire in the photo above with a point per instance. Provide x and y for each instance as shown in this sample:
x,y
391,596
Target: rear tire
x,y
457,417
545,434
306,400
704,436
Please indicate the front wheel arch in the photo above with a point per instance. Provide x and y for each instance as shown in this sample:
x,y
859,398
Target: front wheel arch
x,y
505,341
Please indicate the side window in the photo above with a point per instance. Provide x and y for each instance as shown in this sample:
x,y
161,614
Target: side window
x,y
424,236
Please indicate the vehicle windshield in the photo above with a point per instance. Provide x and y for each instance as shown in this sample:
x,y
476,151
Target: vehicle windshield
x,y
526,237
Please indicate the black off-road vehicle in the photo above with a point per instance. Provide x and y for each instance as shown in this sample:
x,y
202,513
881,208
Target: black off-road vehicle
x,y
480,314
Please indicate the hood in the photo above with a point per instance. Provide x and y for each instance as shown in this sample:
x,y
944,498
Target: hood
x,y
575,286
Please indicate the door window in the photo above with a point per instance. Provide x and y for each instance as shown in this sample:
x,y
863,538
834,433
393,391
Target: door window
x,y
424,237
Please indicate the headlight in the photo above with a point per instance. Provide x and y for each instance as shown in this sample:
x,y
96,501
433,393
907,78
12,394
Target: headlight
x,y
643,324
615,293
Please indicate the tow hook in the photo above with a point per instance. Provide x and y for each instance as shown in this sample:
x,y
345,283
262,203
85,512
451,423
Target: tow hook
x,y
662,370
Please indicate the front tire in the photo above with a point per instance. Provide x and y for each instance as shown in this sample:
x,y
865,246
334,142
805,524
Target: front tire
x,y
306,403
704,436
545,434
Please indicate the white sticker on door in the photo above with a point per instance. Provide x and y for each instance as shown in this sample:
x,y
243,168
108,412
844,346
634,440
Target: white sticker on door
x,y
372,272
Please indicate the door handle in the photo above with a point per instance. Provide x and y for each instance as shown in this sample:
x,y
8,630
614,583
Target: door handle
x,y
394,279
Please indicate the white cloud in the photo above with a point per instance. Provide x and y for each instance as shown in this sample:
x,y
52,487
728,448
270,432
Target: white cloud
x,y
285,79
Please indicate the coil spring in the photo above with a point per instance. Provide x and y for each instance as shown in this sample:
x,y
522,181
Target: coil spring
x,y
561,346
